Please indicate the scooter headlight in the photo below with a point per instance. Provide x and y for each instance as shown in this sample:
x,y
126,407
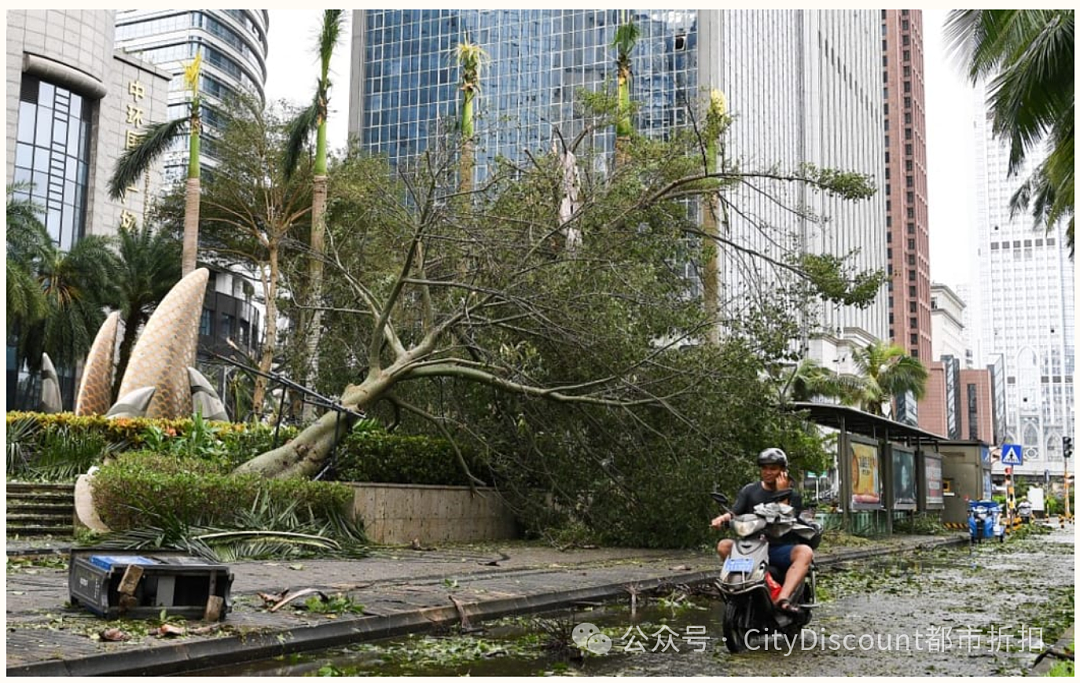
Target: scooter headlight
x,y
745,526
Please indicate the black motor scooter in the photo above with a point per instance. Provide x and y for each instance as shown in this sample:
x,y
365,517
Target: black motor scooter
x,y
748,582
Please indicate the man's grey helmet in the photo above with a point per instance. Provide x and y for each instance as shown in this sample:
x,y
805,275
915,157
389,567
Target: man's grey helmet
x,y
772,456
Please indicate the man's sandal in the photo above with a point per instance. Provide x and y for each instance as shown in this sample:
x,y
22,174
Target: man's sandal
x,y
785,605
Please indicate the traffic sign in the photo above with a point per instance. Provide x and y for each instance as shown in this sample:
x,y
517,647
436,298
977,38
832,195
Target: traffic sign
x,y
1012,454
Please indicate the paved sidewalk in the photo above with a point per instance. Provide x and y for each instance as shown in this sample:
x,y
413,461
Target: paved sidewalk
x,y
402,590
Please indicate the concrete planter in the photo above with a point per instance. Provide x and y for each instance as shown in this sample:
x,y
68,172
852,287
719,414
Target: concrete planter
x,y
398,513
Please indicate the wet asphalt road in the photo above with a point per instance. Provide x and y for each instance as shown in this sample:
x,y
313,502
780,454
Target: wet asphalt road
x,y
950,612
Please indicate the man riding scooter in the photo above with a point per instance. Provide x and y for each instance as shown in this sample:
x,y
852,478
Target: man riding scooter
x,y
785,553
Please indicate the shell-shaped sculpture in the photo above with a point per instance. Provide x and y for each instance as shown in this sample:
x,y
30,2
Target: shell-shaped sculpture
x,y
84,504
166,348
204,399
132,404
95,389
50,387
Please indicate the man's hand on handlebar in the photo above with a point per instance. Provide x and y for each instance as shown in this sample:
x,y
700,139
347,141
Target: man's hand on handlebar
x,y
721,521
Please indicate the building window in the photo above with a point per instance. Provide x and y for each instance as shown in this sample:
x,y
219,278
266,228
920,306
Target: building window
x,y
912,306
907,149
911,291
205,327
910,227
911,244
907,55
914,339
52,156
911,276
913,323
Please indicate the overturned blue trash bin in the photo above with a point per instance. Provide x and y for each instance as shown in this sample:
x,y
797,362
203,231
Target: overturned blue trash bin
x,y
142,583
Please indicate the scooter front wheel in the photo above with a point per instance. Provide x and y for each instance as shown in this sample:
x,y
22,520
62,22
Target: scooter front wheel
x,y
736,625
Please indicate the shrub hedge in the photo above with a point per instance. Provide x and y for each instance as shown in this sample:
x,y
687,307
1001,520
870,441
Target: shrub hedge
x,y
363,455
138,488
378,457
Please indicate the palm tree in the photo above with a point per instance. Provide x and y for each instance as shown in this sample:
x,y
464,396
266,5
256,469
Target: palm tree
x,y
886,371
147,270
314,118
1027,57
626,37
807,380
76,286
159,137
470,60
26,238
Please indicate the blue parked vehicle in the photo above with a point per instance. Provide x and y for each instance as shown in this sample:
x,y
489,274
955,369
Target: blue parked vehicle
x,y
984,520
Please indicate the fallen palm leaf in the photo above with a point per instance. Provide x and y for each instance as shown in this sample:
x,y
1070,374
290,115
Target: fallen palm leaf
x,y
297,594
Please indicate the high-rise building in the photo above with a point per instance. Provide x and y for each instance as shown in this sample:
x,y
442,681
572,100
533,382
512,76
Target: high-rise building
x,y
1024,308
803,84
947,324
908,235
73,105
233,45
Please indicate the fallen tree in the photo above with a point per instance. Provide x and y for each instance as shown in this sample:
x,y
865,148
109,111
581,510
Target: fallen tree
x,y
425,287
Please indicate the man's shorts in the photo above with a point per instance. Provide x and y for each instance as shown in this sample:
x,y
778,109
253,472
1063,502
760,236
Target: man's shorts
x,y
780,556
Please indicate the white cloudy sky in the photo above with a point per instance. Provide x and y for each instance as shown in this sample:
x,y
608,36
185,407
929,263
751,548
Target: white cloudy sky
x,y
293,68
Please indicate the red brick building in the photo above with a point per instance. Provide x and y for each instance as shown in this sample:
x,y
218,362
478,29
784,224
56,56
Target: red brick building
x,y
908,236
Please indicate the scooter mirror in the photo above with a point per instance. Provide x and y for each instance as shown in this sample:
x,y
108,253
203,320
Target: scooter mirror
x,y
719,498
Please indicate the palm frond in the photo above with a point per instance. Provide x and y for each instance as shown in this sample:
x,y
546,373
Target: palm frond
x,y
134,162
331,32
298,131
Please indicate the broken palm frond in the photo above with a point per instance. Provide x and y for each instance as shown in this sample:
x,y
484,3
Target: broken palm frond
x,y
299,594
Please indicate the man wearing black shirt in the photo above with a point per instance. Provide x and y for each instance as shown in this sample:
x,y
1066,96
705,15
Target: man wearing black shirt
x,y
784,553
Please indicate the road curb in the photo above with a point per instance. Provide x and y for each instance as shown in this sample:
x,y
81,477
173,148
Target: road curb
x,y
190,656
1047,661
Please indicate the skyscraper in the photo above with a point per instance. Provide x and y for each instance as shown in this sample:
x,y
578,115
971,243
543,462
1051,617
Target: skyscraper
x,y
1024,308
233,44
803,84
905,181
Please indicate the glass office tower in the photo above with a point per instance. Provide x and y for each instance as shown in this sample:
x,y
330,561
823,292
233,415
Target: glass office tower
x,y
803,86
538,60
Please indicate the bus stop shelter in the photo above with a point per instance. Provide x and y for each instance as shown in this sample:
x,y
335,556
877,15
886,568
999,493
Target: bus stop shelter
x,y
883,465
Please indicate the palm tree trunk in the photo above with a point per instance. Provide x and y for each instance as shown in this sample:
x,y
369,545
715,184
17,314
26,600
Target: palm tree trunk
x,y
711,269
191,225
318,248
623,128
468,150
131,327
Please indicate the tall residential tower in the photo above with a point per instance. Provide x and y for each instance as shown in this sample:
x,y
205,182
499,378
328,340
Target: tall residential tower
x,y
1024,308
